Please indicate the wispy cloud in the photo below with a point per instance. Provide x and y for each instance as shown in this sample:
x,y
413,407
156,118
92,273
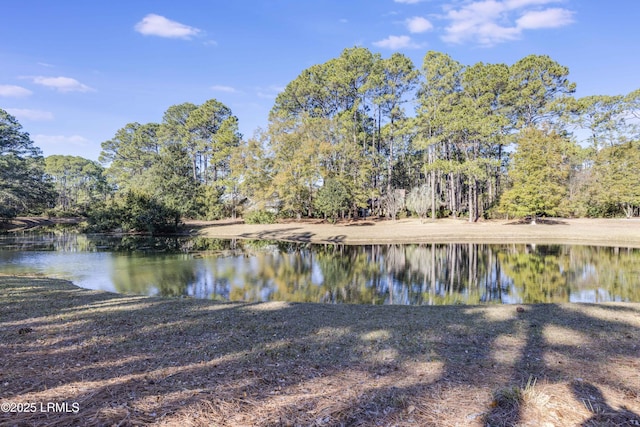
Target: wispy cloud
x,y
489,22
13,91
41,139
397,42
156,25
61,84
269,92
408,1
418,24
30,115
222,88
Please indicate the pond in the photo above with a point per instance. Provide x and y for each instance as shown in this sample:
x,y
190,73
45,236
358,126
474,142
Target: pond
x,y
415,274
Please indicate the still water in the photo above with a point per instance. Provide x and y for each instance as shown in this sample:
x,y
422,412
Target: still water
x,y
416,274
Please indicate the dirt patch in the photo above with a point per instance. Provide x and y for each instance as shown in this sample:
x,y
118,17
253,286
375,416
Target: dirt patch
x,y
123,360
625,232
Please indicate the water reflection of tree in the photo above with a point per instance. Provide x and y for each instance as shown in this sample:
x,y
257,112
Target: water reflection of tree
x,y
395,274
553,273
292,278
607,272
59,241
373,274
256,279
169,276
348,273
539,273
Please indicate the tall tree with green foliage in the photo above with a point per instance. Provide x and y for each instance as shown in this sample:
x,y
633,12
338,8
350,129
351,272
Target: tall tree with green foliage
x,y
616,184
23,183
395,77
437,97
481,127
332,199
251,172
297,164
79,182
180,161
170,182
174,130
604,118
214,132
130,154
536,84
539,174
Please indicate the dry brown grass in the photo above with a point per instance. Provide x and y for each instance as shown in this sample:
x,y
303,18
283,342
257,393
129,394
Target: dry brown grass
x,y
559,231
150,361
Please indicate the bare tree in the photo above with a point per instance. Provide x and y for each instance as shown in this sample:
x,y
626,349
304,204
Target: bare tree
x,y
394,202
420,200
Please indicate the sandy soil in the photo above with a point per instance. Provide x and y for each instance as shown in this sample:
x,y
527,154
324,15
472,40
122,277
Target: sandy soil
x,y
625,232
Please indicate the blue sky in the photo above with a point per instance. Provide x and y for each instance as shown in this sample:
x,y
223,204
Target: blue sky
x,y
74,71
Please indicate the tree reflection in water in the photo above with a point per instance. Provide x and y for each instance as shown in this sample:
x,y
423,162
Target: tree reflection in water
x,y
417,274
426,274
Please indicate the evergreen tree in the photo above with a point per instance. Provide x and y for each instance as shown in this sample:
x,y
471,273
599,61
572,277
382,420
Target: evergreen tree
x,y
538,174
23,183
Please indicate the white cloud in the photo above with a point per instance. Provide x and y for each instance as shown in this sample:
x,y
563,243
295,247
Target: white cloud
x,y
61,84
396,42
550,18
30,115
488,22
221,88
41,140
418,24
14,91
156,25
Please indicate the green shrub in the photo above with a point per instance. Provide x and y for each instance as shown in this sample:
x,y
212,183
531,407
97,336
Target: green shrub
x,y
7,212
260,217
135,212
60,213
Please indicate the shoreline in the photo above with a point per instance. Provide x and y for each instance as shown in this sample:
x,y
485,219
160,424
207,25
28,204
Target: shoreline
x,y
582,231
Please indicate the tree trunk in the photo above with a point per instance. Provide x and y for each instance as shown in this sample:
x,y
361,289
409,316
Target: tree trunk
x,y
470,201
433,195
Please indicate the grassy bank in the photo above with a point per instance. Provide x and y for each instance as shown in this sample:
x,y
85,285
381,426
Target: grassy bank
x,y
149,361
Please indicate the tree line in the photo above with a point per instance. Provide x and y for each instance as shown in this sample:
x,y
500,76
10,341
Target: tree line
x,y
355,136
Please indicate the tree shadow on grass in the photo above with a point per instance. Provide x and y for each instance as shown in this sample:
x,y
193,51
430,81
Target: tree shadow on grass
x,y
603,414
286,234
152,360
563,344
541,221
